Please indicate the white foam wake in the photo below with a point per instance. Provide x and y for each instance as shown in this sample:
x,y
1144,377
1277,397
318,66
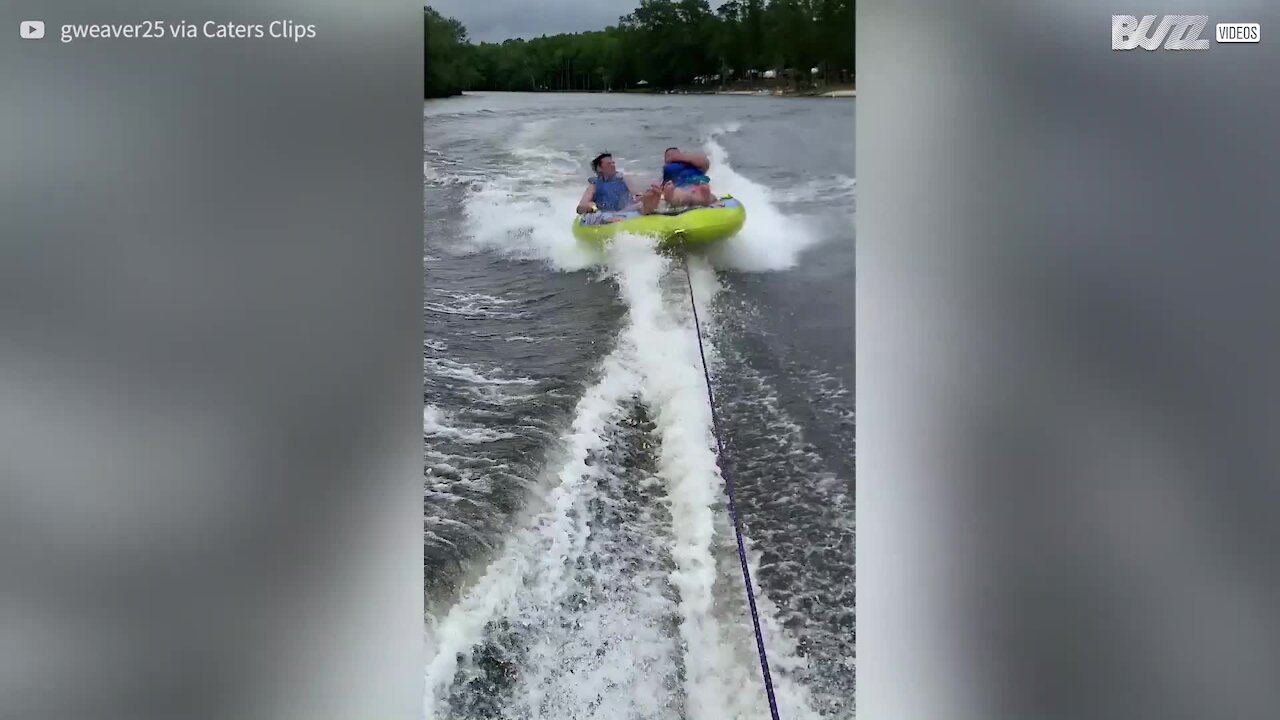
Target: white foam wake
x,y
443,367
477,305
721,675
437,423
532,563
577,663
770,239
525,212
672,392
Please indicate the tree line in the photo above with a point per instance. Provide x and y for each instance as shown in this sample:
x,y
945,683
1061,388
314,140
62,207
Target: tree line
x,y
662,45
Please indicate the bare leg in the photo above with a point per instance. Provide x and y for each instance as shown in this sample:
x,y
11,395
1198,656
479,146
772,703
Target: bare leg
x,y
649,201
698,195
675,195
668,192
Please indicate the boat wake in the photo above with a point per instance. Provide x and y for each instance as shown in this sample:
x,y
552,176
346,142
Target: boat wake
x,y
618,594
524,211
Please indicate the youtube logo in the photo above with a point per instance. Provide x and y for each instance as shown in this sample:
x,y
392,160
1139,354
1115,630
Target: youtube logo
x,y
31,29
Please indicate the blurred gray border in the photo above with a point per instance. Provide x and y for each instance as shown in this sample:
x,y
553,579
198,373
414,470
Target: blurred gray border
x,y
1068,336
210,374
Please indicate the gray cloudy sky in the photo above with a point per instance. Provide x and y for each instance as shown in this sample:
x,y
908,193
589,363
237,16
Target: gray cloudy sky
x,y
497,20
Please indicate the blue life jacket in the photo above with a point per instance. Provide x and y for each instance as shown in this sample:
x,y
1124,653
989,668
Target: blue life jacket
x,y
611,195
683,174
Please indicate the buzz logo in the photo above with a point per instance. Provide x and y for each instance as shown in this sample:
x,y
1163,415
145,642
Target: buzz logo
x,y
1177,32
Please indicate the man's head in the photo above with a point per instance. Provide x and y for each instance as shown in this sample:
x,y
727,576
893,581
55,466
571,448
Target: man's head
x,y
604,166
666,154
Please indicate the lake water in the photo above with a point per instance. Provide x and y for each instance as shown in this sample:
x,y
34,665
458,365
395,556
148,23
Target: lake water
x,y
580,562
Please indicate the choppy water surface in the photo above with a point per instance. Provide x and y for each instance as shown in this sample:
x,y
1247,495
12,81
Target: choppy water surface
x,y
579,559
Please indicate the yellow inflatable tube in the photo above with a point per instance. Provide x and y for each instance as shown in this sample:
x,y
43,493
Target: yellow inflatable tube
x,y
692,227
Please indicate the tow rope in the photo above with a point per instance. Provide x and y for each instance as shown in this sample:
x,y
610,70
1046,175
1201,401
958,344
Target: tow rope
x,y
733,507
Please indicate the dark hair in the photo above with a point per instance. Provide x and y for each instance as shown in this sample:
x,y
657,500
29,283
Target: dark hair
x,y
664,152
595,164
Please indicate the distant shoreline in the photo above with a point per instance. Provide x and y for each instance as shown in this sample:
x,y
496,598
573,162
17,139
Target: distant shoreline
x,y
832,90
774,93
843,92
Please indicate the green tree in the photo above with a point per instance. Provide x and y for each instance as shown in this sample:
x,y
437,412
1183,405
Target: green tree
x,y
667,43
449,64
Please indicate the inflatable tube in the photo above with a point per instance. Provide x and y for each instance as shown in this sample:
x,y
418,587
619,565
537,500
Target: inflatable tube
x,y
690,227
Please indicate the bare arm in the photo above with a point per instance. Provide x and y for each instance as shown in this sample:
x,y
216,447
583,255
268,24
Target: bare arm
x,y
698,160
584,205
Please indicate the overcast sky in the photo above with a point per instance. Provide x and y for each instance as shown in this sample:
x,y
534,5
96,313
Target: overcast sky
x,y
497,20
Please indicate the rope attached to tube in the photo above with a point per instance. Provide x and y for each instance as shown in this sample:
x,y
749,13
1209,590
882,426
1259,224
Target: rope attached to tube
x,y
733,507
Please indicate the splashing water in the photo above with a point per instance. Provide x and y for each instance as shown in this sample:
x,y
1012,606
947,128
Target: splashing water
x,y
526,216
619,595
721,677
520,587
770,239
438,423
598,585
525,212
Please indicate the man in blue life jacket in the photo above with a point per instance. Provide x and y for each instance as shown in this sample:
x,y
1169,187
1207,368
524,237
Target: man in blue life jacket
x,y
608,191
684,178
